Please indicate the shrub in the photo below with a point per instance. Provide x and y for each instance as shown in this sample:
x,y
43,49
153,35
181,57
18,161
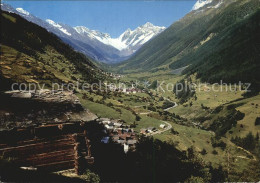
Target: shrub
x,y
249,142
218,143
257,121
109,104
167,104
174,132
203,152
90,177
193,179
183,91
137,118
214,152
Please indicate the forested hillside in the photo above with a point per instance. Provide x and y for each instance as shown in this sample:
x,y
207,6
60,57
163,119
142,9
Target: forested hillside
x,y
29,53
218,41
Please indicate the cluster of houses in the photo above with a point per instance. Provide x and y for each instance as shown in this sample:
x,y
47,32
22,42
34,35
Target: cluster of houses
x,y
132,90
151,130
147,131
124,89
119,133
114,76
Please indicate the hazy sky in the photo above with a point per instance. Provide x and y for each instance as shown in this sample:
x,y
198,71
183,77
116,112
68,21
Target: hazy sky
x,y
112,17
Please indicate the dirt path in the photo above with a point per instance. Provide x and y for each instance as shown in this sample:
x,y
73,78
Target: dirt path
x,y
145,113
254,158
175,105
168,127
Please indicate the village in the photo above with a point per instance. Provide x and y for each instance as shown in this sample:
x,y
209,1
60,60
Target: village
x,y
118,132
122,88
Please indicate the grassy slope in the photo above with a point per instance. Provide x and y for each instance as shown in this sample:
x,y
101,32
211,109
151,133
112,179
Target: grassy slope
x,y
231,56
212,30
102,110
252,111
200,139
187,135
32,54
190,136
205,37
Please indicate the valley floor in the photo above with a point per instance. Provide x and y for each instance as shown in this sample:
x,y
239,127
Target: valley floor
x,y
187,124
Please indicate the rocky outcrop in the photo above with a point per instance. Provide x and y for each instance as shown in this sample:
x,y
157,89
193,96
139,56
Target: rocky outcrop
x,y
23,109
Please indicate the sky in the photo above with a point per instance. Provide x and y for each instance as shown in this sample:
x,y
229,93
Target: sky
x,y
112,17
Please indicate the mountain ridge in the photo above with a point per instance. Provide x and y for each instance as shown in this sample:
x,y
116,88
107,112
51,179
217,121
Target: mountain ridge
x,y
148,30
34,55
95,44
177,46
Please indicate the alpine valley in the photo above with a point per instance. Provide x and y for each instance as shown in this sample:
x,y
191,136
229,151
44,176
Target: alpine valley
x,y
155,104
97,45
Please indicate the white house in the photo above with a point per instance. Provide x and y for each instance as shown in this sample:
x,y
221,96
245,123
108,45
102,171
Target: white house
x,y
117,124
126,148
109,127
151,129
162,125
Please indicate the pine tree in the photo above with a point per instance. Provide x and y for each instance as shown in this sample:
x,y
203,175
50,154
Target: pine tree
x,y
257,137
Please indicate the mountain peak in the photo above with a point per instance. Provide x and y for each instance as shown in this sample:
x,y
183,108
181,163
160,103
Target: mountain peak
x,y
128,39
200,3
81,29
91,33
52,23
128,30
148,24
137,37
100,46
21,10
58,26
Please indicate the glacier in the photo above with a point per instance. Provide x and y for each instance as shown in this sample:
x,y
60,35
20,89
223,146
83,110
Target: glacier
x,y
129,38
200,3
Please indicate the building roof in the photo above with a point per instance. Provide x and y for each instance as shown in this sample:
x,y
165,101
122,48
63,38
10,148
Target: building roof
x,y
151,128
131,142
105,140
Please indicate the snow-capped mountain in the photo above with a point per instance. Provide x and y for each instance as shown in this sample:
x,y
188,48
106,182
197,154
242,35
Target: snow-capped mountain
x,y
58,26
102,37
21,10
207,3
201,3
131,40
139,36
95,44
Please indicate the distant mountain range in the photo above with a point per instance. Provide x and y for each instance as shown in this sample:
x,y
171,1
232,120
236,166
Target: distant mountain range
x,y
97,45
129,41
216,40
31,54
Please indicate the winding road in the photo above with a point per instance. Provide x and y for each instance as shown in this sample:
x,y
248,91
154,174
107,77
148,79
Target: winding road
x,y
175,105
168,127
